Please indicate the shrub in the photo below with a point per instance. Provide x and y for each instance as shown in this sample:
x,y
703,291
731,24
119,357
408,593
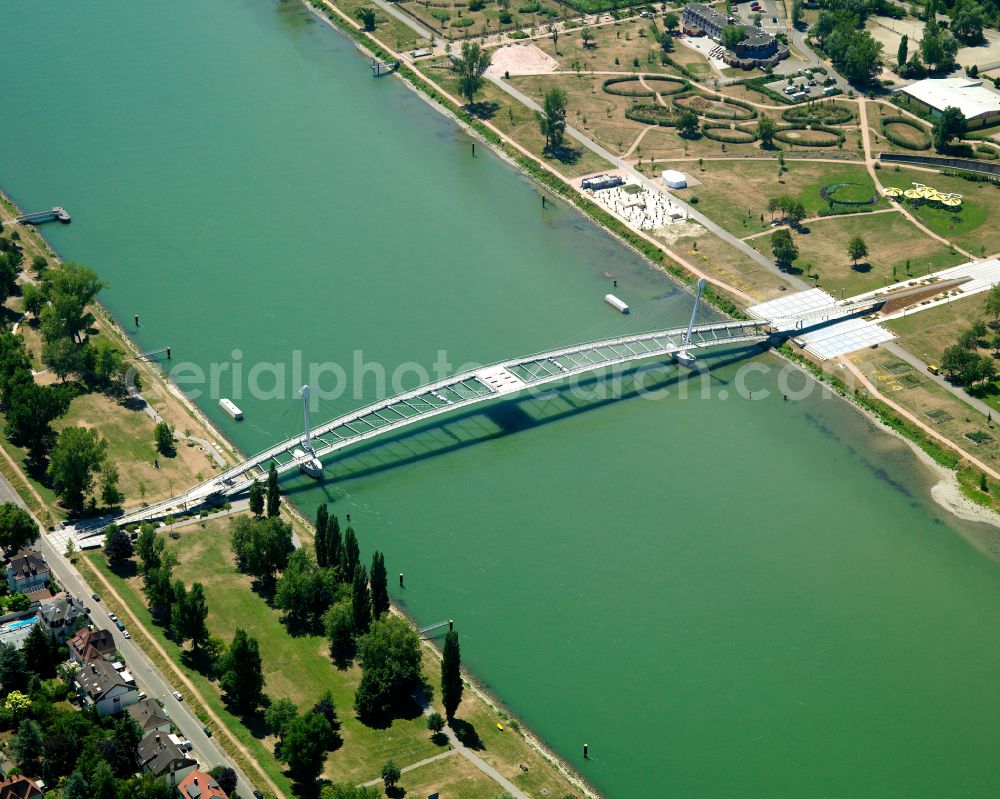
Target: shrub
x,y
462,22
724,133
652,115
898,140
673,86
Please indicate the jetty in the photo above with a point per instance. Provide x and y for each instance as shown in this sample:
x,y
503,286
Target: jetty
x,y
380,68
56,214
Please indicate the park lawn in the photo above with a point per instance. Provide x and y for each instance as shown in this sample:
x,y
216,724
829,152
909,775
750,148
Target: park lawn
x,y
394,33
453,777
624,40
891,240
720,259
928,333
975,227
754,182
296,668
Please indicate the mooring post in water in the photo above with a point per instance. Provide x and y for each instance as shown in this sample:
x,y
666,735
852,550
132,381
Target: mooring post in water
x,y
586,752
137,320
473,149
451,625
543,201
400,579
168,353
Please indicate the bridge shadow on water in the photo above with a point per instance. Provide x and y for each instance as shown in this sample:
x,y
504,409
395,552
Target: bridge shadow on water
x,y
457,431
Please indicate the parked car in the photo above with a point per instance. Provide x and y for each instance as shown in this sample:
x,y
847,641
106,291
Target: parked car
x,y
126,633
177,696
95,597
774,20
112,616
142,695
207,731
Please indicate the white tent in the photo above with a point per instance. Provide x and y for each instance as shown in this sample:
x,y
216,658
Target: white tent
x,y
674,179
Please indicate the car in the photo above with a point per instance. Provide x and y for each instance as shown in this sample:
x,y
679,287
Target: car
x,y
257,795
120,625
112,616
126,633
774,20
177,696
142,695
86,609
207,731
95,597
933,369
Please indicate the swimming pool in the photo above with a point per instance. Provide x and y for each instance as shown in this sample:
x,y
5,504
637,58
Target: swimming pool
x,y
17,625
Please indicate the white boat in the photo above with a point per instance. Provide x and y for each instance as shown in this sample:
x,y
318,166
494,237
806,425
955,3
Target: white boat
x,y
684,358
309,463
230,407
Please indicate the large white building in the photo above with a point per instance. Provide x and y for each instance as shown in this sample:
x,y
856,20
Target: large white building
x,y
978,104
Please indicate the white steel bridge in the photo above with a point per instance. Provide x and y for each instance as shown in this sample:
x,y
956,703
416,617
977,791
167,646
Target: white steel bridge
x,y
461,391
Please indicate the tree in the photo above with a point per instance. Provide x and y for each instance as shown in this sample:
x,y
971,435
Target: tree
x,y
938,47
471,65
350,556
587,38
27,746
552,119
304,592
361,601
670,21
117,545
322,536
904,44
273,492
967,20
304,747
242,677
226,777
783,248
857,249
70,289
163,437
765,131
390,775
339,626
346,790
17,528
435,723
379,582
76,787
31,409
261,546
797,13
451,674
795,212
390,668
687,125
110,495
366,14
732,35
149,546
77,456
554,36
256,498
326,708
950,125
32,299
17,704
40,653
992,303
279,715
194,613
102,782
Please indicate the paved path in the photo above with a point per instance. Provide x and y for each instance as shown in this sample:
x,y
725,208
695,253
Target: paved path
x,y
406,19
419,764
814,219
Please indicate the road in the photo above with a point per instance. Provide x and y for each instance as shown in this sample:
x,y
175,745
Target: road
x,y
206,750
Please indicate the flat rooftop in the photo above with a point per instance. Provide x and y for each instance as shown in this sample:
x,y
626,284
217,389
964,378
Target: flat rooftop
x,y
968,95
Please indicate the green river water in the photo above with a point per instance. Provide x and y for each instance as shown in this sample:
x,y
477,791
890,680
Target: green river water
x,y
722,597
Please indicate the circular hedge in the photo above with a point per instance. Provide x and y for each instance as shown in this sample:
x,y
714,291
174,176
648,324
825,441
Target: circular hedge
x,y
713,108
807,137
922,141
652,114
812,114
729,135
848,194
612,86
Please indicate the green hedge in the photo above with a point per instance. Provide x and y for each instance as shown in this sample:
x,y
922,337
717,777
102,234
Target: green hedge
x,y
712,113
838,135
679,86
832,114
652,115
898,140
729,135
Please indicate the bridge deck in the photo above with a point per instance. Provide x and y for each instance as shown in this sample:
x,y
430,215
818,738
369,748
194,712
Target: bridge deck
x,y
459,391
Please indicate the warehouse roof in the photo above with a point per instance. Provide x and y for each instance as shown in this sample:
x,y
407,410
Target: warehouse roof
x,y
968,95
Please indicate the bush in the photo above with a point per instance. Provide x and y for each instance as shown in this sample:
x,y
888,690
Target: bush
x,y
898,140
837,136
462,22
724,133
477,5
518,35
825,114
741,111
676,86
652,115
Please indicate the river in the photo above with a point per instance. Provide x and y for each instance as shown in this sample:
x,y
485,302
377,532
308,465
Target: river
x,y
721,596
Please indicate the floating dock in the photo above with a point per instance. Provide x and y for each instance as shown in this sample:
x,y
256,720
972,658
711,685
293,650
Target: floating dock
x,y
56,214
616,303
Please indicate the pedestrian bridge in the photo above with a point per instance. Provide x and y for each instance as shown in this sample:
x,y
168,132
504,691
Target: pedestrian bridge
x,y
461,391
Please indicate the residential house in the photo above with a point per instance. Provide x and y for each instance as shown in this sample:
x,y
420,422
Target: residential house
x,y
149,716
27,571
61,616
199,785
99,684
20,787
164,759
89,645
